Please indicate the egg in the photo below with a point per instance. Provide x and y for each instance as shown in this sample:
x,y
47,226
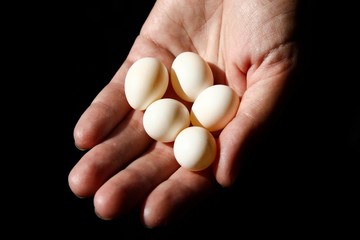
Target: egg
x,y
215,107
190,74
165,118
146,80
195,148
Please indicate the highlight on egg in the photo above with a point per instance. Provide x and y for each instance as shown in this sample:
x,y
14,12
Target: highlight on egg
x,y
215,107
146,80
190,74
165,118
195,148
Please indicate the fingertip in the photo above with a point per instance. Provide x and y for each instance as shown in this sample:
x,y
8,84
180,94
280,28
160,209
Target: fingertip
x,y
102,207
81,140
146,218
74,183
156,210
81,182
79,148
226,176
101,216
151,219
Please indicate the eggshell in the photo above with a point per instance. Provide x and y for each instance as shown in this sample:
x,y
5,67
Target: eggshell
x,y
146,81
195,148
215,107
190,74
165,118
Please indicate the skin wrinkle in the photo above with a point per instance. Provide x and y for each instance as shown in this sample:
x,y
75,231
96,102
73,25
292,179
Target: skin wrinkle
x,y
191,36
259,102
216,41
235,70
144,34
155,155
134,173
136,52
223,156
274,28
107,110
276,57
188,36
136,129
210,35
259,23
165,11
273,57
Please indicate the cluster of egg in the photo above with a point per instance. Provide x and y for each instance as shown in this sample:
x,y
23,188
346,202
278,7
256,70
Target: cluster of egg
x,y
169,120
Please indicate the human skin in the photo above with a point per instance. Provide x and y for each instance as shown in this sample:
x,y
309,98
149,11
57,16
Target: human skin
x,y
249,45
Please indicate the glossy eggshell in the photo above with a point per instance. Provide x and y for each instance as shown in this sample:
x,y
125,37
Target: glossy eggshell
x,y
195,148
190,74
146,81
215,107
165,118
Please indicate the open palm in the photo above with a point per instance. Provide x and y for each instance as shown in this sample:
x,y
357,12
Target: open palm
x,y
250,47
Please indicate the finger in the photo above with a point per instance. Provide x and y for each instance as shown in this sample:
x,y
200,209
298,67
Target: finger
x,y
257,106
129,187
104,113
126,143
175,196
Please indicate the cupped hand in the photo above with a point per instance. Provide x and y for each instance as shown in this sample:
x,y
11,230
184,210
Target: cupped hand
x,y
249,45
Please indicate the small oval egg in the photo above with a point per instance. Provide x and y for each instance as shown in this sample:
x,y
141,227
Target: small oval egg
x,y
215,107
190,74
165,118
146,81
195,148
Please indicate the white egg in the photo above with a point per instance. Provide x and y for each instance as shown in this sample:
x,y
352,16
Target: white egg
x,y
195,148
190,74
146,81
215,107
165,118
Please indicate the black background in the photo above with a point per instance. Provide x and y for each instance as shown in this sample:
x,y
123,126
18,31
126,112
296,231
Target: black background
x,y
293,181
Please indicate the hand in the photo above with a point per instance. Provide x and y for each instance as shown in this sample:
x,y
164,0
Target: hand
x,y
250,47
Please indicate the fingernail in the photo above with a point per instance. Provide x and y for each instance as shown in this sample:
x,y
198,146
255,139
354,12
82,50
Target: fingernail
x,y
81,149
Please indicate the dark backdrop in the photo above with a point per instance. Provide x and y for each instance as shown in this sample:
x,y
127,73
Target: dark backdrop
x,y
289,181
